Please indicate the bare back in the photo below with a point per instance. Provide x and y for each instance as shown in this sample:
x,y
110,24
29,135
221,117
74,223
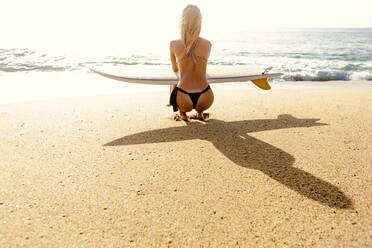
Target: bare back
x,y
192,77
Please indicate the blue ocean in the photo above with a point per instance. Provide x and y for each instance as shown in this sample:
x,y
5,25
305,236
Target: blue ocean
x,y
300,54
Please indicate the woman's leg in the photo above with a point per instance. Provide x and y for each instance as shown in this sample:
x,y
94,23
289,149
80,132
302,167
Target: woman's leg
x,y
204,103
184,104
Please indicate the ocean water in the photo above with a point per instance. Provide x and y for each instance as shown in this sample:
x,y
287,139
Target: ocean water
x,y
301,54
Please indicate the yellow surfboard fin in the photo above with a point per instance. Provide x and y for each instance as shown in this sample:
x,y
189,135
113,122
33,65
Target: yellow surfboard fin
x,y
262,83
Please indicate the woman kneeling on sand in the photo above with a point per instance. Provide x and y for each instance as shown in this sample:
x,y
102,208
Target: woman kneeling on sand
x,y
189,56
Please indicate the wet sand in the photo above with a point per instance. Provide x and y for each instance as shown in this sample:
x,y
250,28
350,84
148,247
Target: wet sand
x,y
287,167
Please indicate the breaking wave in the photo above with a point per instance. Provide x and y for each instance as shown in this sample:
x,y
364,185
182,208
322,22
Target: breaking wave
x,y
304,55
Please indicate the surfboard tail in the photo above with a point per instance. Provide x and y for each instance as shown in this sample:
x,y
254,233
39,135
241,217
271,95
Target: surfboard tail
x,y
262,83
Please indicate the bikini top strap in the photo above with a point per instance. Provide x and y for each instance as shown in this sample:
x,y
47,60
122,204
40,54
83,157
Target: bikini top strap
x,y
191,53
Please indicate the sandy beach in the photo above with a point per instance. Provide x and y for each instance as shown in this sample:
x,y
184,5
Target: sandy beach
x,y
290,167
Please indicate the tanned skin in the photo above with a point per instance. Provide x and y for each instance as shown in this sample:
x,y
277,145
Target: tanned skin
x,y
191,80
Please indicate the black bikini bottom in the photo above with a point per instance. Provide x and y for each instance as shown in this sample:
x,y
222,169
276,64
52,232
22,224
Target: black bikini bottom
x,y
193,96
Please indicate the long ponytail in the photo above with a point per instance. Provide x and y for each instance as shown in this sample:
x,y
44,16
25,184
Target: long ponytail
x,y
190,26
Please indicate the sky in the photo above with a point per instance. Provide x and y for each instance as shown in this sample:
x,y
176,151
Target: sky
x,y
75,19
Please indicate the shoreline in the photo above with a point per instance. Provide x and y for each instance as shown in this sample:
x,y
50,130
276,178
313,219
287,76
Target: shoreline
x,y
48,86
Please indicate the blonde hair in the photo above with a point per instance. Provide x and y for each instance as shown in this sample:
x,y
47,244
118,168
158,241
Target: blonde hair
x,y
190,25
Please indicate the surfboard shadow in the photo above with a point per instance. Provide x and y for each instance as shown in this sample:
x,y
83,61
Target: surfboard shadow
x,y
232,140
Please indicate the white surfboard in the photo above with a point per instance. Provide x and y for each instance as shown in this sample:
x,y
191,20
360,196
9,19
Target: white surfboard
x,y
163,75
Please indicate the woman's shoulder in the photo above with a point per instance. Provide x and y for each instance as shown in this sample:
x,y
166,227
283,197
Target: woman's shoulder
x,y
205,41
201,40
175,42
176,45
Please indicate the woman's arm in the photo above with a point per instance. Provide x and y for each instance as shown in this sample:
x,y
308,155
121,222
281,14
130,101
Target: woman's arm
x,y
173,57
174,65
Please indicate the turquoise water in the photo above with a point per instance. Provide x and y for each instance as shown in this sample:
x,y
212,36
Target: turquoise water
x,y
301,54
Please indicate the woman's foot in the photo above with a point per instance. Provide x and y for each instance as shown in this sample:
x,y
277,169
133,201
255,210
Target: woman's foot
x,y
200,116
183,116
179,117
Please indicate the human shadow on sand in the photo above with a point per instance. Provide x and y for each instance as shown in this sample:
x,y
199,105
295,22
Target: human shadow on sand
x,y
232,140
